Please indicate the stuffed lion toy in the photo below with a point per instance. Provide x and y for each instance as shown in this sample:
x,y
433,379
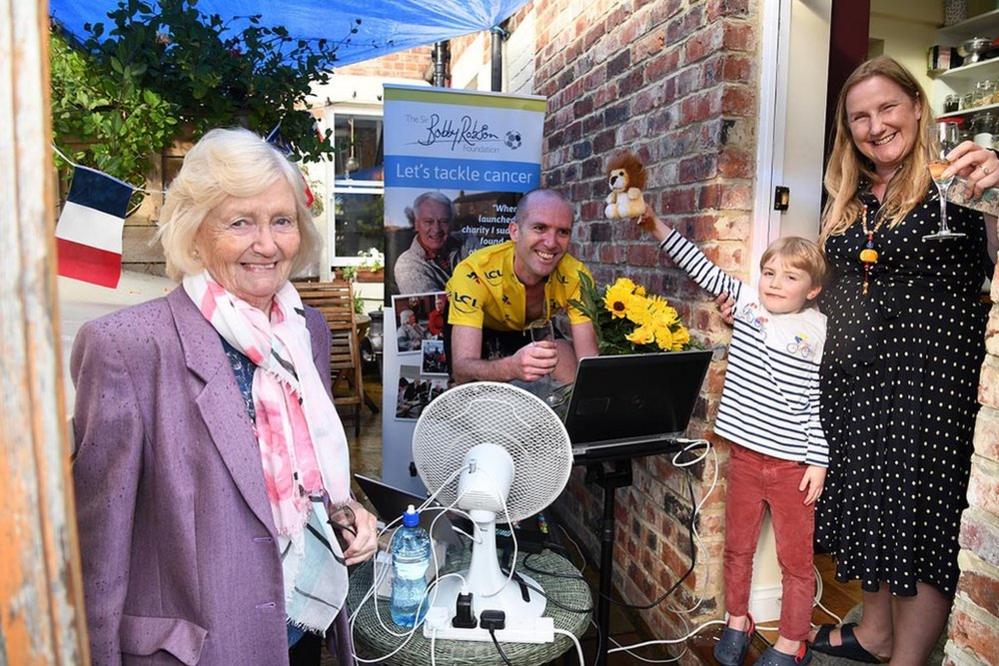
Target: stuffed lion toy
x,y
626,177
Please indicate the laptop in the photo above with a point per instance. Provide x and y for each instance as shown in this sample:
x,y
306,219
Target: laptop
x,y
632,405
391,502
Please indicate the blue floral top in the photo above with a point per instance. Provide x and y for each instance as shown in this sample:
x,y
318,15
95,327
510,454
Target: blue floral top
x,y
243,368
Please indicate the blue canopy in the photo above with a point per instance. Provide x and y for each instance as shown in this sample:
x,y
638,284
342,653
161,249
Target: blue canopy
x,y
386,25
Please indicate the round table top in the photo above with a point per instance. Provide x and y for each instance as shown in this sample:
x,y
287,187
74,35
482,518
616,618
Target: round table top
x,y
372,641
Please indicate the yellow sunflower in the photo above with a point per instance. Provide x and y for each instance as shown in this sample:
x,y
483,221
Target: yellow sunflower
x,y
618,296
638,310
642,335
664,338
681,338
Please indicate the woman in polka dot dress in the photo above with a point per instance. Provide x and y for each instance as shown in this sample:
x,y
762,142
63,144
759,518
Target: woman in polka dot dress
x,y
899,378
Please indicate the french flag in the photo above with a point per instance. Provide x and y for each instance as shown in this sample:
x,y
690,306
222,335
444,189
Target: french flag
x,y
88,236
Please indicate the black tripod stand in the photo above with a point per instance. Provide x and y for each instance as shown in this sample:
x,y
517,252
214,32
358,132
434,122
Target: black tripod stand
x,y
610,476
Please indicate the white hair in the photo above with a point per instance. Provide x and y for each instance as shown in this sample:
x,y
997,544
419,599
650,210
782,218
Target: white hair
x,y
227,163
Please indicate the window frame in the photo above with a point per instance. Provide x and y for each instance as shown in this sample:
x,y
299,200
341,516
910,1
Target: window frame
x,y
340,186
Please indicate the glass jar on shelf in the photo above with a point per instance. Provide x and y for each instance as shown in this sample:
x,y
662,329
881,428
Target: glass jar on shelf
x,y
951,103
984,90
983,129
968,101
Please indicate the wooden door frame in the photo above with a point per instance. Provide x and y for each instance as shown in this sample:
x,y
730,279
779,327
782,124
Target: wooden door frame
x,y
40,589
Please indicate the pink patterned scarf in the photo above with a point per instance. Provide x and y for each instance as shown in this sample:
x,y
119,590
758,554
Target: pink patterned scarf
x,y
303,448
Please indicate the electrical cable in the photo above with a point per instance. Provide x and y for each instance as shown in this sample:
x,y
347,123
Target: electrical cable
x,y
666,641
579,648
377,577
568,609
582,558
693,562
499,648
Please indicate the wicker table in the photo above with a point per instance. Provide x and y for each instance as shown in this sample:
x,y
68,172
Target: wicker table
x,y
371,641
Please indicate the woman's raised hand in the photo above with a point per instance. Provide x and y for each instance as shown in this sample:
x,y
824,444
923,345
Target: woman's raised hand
x,y
978,166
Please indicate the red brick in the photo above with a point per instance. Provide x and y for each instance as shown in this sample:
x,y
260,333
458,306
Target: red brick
x,y
649,45
981,589
661,65
678,201
684,24
739,36
983,489
695,108
688,81
971,634
719,8
737,196
734,163
606,94
738,69
703,43
700,167
987,434
738,101
709,196
980,535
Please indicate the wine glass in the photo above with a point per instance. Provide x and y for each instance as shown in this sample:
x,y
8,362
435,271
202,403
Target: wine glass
x,y
543,330
941,139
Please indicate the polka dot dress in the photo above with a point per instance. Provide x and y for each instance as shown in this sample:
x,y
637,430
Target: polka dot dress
x,y
899,382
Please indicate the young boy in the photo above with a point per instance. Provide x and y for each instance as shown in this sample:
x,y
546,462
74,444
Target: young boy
x,y
770,411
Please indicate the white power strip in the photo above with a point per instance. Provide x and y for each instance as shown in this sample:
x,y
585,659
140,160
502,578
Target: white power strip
x,y
518,630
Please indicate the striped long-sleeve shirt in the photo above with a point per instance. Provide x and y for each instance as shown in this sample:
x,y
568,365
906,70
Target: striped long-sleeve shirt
x,y
770,400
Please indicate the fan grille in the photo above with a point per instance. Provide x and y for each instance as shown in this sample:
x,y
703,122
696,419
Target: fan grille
x,y
501,414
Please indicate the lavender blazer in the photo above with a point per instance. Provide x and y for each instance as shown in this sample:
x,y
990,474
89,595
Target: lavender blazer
x,y
180,564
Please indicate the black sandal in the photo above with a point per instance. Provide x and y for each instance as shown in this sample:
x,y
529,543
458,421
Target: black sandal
x,y
850,647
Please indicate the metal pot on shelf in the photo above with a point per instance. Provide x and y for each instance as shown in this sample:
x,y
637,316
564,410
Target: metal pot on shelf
x,y
974,49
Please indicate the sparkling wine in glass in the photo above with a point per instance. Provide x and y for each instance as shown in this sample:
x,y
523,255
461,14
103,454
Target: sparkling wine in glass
x,y
544,330
941,140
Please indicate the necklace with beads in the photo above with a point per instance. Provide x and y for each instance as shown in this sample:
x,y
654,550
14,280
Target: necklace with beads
x,y
868,253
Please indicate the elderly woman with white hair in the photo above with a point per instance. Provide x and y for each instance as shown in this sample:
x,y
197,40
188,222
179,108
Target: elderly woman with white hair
x,y
211,469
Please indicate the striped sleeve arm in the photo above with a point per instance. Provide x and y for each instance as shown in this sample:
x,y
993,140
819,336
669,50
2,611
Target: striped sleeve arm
x,y
689,257
817,452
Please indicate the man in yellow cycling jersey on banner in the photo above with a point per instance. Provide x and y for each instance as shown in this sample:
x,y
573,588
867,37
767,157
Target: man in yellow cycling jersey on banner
x,y
499,292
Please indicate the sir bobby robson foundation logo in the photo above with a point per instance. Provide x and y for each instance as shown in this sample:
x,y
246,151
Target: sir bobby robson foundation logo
x,y
466,134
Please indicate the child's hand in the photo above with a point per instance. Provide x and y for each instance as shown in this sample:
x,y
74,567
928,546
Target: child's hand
x,y
650,222
812,482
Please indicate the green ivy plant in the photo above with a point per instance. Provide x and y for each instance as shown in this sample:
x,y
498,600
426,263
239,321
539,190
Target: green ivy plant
x,y
159,71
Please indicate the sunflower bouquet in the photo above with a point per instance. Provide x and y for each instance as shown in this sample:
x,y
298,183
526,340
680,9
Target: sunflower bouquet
x,y
629,321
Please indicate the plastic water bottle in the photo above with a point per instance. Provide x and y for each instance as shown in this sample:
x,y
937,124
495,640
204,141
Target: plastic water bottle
x,y
410,561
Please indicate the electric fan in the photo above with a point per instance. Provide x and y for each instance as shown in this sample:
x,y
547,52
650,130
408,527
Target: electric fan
x,y
512,451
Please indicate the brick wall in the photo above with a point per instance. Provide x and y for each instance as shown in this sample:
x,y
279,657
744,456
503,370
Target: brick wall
x,y
415,63
973,635
674,81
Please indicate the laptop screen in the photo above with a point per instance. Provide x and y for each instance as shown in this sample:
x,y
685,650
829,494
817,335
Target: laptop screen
x,y
633,397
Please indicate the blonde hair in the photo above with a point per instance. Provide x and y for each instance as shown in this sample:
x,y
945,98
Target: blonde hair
x,y
227,163
847,165
799,253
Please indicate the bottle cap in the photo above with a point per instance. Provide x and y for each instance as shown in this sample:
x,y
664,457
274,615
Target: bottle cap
x,y
411,518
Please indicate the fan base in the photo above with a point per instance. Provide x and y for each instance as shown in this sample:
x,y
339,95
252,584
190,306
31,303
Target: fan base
x,y
509,599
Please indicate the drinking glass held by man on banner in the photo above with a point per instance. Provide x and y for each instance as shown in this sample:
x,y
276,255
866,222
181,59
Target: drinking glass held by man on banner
x,y
209,456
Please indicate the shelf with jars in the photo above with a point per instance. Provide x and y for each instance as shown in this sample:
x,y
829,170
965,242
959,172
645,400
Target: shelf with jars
x,y
973,87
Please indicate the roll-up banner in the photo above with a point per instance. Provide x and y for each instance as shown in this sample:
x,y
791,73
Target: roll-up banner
x,y
456,164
